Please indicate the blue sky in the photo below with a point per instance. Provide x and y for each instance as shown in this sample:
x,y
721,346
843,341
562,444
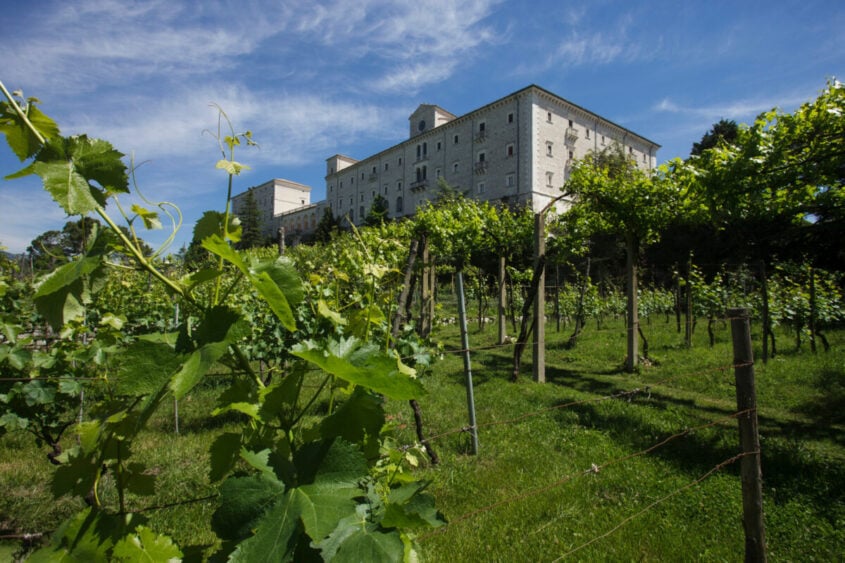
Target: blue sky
x,y
315,78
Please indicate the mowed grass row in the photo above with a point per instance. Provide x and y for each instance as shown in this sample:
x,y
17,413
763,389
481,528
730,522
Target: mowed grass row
x,y
530,494
550,478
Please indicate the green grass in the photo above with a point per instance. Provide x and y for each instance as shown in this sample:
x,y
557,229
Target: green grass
x,y
529,495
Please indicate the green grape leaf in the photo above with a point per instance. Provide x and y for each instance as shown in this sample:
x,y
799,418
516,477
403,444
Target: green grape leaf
x,y
259,461
274,297
279,398
87,536
221,324
150,218
220,327
231,167
143,366
146,546
20,137
362,365
359,420
211,223
319,505
324,311
419,511
201,276
195,367
18,357
97,160
61,294
284,274
261,280
355,540
224,454
243,500
72,169
275,536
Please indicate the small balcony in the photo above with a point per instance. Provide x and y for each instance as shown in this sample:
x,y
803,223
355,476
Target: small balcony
x,y
571,135
481,167
419,185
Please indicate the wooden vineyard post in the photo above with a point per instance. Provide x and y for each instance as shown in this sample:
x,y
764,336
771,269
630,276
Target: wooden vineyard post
x,y
503,301
746,404
462,313
539,340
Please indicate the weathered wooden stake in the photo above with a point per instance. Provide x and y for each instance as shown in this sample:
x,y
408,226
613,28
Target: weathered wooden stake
x,y
746,403
503,301
281,240
539,339
462,313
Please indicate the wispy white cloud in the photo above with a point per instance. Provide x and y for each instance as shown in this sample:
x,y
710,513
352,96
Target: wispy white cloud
x,y
83,46
736,109
393,33
290,128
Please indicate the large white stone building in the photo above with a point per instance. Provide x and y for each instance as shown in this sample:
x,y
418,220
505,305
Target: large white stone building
x,y
518,150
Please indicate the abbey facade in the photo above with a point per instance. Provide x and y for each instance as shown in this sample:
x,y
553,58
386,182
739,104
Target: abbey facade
x,y
516,150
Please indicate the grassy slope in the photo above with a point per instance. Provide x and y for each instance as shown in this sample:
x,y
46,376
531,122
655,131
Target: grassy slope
x,y
535,468
803,437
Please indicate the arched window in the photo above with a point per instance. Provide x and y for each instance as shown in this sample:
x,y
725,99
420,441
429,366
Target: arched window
x,y
399,204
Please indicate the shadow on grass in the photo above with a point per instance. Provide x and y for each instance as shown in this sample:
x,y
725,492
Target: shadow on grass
x,y
828,408
790,468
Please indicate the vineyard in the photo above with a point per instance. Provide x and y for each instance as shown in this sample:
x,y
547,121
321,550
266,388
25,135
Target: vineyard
x,y
245,405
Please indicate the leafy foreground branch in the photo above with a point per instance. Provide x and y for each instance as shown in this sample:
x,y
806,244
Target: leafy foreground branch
x,y
293,486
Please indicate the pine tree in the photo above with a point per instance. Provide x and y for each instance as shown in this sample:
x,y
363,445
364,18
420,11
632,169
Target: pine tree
x,y
378,212
250,222
327,225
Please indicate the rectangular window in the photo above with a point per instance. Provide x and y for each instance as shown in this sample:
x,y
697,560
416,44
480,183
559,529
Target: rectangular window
x,y
602,139
480,187
549,117
587,132
439,144
550,179
510,118
456,139
570,123
385,165
510,150
399,185
549,149
510,180
571,155
455,167
644,159
437,173
482,156
400,161
481,127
